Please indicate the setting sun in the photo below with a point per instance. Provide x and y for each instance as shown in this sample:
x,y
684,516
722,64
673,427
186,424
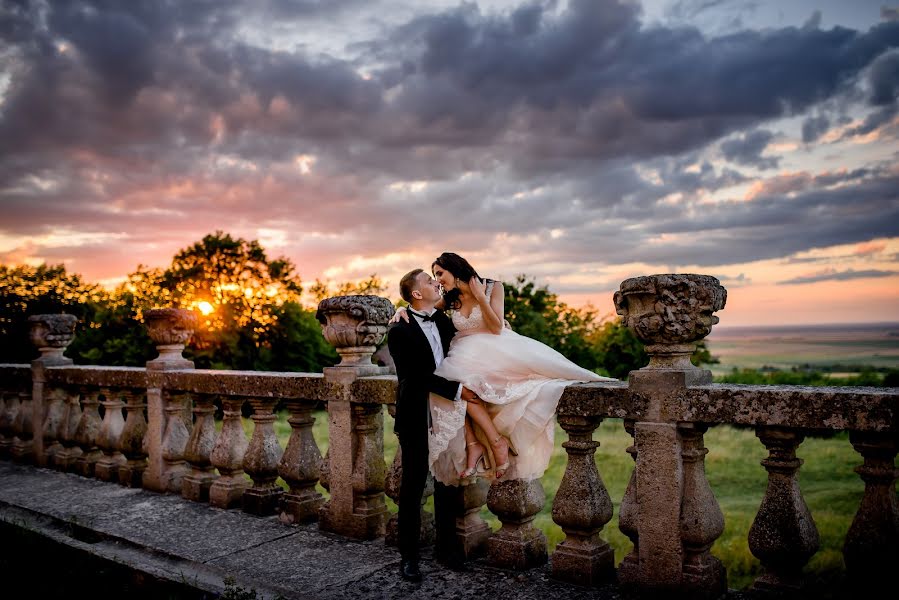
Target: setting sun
x,y
205,307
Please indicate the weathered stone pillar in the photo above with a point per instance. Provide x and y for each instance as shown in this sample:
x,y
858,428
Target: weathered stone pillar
x,y
87,432
701,519
668,313
196,483
871,549
392,484
108,439
67,458
300,466
132,440
518,544
174,442
783,535
53,423
354,325
629,569
227,456
582,507
170,329
50,334
261,461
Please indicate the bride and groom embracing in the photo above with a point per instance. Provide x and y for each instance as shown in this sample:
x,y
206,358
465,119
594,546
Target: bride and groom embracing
x,y
474,398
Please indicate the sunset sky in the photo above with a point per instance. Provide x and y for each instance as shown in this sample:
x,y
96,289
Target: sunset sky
x,y
579,142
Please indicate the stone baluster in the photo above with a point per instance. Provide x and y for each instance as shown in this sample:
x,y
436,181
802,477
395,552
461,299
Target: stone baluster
x,y
227,456
261,461
701,519
131,440
108,440
53,424
783,535
871,549
23,428
369,470
67,458
582,507
170,329
518,544
87,433
628,570
8,422
300,465
355,469
174,442
472,531
50,334
196,483
392,484
670,314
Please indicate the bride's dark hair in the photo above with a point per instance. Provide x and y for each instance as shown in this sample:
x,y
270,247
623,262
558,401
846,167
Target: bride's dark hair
x,y
459,268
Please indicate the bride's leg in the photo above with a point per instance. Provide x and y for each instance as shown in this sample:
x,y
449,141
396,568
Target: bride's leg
x,y
479,415
475,452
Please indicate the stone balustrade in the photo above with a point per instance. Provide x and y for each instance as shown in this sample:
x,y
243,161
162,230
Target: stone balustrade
x,y
166,440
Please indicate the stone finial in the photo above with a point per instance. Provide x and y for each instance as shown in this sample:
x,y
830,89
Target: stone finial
x,y
355,325
51,334
170,329
670,313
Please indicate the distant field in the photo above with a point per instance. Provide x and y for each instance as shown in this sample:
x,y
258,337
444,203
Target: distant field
x,y
876,345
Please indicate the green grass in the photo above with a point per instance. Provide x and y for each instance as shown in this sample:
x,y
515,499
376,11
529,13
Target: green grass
x,y
830,488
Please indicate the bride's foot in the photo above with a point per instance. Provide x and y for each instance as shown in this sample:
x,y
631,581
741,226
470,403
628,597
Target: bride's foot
x,y
502,448
476,461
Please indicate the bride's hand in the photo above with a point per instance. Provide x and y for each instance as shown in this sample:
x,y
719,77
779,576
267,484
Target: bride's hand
x,y
478,288
401,313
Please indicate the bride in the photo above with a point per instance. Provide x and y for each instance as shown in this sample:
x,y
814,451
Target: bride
x,y
519,380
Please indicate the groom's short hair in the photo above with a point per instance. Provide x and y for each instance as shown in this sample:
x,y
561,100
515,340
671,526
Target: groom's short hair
x,y
409,283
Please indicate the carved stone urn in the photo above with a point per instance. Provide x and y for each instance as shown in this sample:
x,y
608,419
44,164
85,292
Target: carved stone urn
x,y
170,329
670,314
51,334
355,325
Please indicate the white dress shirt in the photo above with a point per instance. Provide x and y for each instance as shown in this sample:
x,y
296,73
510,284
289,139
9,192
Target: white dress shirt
x,y
433,335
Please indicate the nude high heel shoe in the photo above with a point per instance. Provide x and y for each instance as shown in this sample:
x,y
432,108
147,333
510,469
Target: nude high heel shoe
x,y
500,470
480,466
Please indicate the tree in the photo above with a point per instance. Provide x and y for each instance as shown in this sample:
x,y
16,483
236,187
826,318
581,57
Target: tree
x,y
320,290
46,289
537,313
620,350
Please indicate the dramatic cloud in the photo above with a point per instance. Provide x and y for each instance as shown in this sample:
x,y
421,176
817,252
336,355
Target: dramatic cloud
x,y
833,275
538,136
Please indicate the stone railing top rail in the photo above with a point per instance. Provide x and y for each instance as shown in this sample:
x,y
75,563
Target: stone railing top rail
x,y
821,408
97,376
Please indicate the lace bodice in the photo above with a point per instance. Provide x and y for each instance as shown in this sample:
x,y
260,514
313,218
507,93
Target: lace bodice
x,y
476,319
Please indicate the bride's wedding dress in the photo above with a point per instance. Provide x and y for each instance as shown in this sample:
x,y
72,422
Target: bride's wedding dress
x,y
520,381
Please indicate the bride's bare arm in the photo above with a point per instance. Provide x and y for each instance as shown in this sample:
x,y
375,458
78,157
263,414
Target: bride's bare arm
x,y
491,308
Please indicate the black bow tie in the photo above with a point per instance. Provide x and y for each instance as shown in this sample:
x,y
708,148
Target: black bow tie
x,y
422,316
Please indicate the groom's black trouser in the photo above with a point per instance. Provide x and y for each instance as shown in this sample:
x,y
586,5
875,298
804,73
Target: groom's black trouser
x,y
446,499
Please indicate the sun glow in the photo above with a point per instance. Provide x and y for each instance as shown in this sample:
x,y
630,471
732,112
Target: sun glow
x,y
205,307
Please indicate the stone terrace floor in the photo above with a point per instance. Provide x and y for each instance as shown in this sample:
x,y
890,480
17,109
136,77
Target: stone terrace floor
x,y
115,541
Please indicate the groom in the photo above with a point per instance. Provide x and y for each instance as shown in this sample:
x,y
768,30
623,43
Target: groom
x,y
417,347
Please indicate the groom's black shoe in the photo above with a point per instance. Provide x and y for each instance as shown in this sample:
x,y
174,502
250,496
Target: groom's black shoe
x,y
409,570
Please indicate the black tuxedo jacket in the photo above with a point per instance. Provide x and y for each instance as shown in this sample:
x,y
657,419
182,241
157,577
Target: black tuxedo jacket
x,y
414,362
